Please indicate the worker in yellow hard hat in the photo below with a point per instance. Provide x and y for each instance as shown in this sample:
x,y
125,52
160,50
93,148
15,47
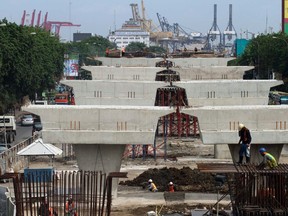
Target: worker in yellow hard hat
x,y
245,142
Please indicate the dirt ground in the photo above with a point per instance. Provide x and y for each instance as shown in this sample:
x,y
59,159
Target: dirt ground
x,y
180,167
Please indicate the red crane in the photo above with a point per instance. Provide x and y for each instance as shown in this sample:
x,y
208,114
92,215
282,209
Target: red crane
x,y
38,19
23,18
48,25
32,19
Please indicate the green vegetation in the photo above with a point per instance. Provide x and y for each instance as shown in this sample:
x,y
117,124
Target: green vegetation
x,y
141,47
31,61
89,48
269,53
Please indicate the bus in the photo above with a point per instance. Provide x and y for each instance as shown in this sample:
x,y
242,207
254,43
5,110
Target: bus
x,y
62,99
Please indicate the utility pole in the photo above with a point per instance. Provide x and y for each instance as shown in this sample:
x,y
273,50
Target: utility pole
x,y
5,138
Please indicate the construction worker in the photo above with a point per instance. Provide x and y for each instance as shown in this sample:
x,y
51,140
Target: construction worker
x,y
70,208
268,159
245,141
151,186
171,187
45,209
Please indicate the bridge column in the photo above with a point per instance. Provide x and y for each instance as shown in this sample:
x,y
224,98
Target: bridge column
x,y
100,157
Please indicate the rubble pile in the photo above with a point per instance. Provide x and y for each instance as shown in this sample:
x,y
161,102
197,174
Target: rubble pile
x,y
184,179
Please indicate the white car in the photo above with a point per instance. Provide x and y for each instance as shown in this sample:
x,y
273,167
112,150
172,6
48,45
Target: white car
x,y
27,120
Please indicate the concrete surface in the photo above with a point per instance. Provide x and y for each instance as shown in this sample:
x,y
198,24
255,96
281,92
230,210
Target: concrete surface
x,y
149,73
198,93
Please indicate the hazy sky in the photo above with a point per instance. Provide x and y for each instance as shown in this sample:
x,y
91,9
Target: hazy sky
x,y
100,16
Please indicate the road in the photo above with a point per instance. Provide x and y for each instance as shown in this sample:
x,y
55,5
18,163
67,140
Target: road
x,y
23,133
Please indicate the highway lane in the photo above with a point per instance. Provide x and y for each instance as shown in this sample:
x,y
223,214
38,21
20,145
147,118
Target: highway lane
x,y
22,133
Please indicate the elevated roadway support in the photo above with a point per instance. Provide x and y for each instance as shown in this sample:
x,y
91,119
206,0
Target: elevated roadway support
x,y
116,125
149,73
198,93
151,62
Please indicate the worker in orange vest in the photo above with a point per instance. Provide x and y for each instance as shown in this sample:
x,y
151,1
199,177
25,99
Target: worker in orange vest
x,y
171,187
70,208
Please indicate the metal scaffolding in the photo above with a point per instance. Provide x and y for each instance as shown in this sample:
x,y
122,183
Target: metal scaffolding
x,y
254,191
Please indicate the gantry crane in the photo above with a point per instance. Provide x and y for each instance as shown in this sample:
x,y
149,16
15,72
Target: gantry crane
x,y
47,25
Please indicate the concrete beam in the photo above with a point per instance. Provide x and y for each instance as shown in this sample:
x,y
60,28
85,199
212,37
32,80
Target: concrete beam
x,y
199,93
149,73
150,62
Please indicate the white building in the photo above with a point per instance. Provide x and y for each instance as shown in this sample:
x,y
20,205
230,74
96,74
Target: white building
x,y
130,32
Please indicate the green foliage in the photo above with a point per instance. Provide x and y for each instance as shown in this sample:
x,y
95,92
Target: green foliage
x,y
268,53
89,49
157,49
30,62
136,47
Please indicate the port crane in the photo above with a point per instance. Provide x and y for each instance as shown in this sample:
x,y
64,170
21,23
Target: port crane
x,y
51,26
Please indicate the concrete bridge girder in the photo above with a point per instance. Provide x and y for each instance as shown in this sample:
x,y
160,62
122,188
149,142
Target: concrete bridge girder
x,y
151,62
199,93
217,125
149,73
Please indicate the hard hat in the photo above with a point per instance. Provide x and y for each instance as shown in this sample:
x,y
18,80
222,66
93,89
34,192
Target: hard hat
x,y
240,126
150,180
261,150
170,183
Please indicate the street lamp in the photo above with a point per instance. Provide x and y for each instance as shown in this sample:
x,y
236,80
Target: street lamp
x,y
258,59
5,132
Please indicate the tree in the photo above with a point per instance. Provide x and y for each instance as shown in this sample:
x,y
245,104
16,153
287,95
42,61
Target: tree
x,y
136,47
268,53
88,49
157,49
31,61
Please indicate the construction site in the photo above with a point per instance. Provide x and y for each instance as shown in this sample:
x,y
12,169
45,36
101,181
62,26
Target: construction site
x,y
170,120
133,116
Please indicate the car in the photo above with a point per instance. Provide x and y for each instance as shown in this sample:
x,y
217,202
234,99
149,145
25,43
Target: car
x,y
27,120
5,145
37,126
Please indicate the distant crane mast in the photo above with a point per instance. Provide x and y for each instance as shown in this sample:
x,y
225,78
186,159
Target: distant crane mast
x,y
230,30
32,19
214,31
38,19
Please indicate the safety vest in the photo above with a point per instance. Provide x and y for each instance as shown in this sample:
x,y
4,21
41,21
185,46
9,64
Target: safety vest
x,y
271,161
152,187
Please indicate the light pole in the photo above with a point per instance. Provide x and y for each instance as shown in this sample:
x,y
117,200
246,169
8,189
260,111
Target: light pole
x,y
5,133
258,59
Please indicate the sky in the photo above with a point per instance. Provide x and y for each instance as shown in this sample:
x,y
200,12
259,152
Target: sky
x,y
101,16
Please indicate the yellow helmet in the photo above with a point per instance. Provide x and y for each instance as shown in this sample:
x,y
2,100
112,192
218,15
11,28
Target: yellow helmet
x,y
240,126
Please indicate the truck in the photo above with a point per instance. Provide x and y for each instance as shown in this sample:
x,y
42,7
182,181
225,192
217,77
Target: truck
x,y
7,129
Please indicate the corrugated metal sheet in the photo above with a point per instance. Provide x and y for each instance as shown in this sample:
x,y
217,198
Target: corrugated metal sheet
x,y
40,148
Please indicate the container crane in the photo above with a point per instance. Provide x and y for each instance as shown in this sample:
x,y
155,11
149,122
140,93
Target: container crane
x,y
47,25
